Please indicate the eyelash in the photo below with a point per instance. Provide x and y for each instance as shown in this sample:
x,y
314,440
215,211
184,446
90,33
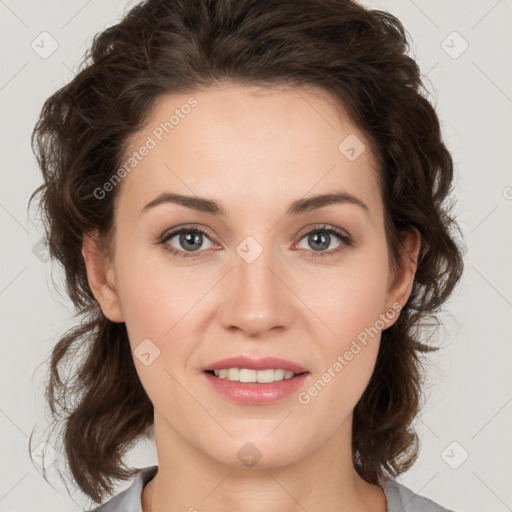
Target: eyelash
x,y
346,241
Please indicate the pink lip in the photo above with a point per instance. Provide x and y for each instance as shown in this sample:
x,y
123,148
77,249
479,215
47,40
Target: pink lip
x,y
254,393
264,363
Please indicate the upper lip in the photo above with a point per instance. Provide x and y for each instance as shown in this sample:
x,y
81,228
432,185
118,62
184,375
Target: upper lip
x,y
263,363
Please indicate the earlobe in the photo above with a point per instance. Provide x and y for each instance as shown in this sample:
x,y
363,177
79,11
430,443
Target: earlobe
x,y
100,275
400,285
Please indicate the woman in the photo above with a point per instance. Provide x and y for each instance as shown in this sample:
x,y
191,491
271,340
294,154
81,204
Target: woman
x,y
248,200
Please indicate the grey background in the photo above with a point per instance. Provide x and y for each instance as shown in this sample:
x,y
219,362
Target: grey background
x,y
469,390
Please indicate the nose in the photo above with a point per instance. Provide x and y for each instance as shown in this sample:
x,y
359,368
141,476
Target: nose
x,y
256,298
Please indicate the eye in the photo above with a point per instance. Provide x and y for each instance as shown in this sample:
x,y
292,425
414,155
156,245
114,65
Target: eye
x,y
188,238
321,237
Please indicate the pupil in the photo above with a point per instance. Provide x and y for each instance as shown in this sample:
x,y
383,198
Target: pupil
x,y
324,237
190,239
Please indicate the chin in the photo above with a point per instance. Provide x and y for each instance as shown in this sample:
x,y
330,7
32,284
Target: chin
x,y
256,452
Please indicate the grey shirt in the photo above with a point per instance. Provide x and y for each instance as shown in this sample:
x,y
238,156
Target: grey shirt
x,y
399,497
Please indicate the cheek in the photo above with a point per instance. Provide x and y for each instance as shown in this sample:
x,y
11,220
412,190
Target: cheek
x,y
154,303
153,293
351,312
350,300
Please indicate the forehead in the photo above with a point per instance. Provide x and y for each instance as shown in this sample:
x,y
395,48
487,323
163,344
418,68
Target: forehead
x,y
266,145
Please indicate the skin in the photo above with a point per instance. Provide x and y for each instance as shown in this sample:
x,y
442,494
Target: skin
x,y
255,151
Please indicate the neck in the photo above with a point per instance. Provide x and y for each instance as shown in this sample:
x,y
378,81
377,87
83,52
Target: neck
x,y
190,480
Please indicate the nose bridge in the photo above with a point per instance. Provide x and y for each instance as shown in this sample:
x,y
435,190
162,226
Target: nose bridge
x,y
255,299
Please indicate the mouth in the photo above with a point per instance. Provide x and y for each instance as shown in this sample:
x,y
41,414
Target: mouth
x,y
248,375
255,387
255,381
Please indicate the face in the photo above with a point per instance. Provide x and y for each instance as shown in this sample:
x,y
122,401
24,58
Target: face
x,y
309,285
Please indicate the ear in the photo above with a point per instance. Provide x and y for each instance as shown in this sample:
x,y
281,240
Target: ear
x,y
400,282
100,274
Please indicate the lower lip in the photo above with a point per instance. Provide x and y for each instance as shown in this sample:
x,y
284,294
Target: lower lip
x,y
254,393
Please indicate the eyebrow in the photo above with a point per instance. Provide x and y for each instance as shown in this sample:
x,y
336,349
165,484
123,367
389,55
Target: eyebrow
x,y
295,208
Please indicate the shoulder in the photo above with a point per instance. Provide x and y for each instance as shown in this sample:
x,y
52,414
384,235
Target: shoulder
x,y
129,500
401,498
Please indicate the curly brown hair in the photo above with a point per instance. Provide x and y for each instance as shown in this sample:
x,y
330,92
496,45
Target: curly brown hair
x,y
358,55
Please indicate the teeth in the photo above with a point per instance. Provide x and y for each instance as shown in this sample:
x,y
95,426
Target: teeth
x,y
246,375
